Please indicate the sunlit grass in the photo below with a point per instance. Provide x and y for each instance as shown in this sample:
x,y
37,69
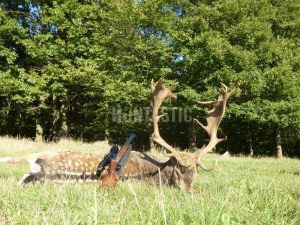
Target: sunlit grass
x,y
239,191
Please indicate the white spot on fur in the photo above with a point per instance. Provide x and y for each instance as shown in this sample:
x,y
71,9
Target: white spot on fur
x,y
35,168
70,163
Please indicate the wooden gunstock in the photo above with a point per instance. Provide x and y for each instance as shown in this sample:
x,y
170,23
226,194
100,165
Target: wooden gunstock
x,y
110,179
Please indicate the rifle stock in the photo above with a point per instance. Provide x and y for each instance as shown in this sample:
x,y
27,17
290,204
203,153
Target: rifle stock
x,y
116,165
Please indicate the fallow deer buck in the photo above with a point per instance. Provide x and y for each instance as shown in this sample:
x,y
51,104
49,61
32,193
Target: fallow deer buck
x,y
180,170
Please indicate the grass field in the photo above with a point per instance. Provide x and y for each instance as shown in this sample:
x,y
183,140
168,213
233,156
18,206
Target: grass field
x,y
239,191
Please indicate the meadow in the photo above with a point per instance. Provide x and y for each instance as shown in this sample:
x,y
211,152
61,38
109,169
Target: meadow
x,y
241,190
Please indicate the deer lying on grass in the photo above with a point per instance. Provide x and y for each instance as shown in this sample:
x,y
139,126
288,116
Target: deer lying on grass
x,y
180,170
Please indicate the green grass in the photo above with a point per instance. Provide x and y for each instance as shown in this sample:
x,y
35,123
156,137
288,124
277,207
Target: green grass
x,y
239,191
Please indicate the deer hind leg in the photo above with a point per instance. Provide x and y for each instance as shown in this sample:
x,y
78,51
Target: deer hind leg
x,y
35,174
30,177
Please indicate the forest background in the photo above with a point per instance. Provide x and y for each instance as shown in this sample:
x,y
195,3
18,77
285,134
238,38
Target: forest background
x,y
67,68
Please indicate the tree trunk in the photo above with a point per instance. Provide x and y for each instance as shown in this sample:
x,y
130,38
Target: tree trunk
x,y
192,136
278,144
151,141
38,132
59,125
152,146
251,146
106,122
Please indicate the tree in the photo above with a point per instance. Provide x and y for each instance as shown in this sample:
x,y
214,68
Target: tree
x,y
20,84
249,44
68,73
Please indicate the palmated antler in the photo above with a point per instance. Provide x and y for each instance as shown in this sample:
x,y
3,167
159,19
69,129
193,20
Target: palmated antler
x,y
159,94
213,118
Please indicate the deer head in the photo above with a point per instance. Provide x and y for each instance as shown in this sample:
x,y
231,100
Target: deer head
x,y
184,163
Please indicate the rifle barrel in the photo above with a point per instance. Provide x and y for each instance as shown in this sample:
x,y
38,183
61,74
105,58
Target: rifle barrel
x,y
130,139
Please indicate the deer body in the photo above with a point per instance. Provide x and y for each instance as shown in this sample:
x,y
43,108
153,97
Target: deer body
x,y
60,166
180,170
83,166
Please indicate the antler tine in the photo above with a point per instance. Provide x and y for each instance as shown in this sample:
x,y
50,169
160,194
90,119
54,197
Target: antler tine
x,y
162,115
204,127
152,86
213,118
207,102
224,88
167,154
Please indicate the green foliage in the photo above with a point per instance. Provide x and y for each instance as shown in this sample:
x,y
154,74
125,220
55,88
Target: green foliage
x,y
241,43
66,64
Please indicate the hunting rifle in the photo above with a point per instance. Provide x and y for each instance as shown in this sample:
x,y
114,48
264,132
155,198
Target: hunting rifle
x,y
116,160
